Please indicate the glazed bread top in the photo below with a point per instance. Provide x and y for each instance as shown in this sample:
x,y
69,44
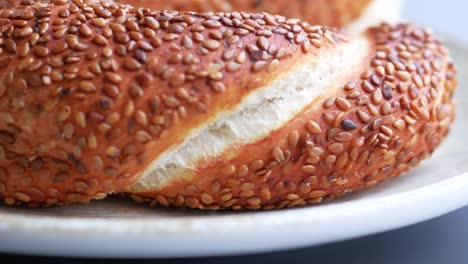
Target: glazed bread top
x,y
93,92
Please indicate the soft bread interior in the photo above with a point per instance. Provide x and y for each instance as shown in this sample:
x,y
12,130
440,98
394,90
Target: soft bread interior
x,y
378,11
262,111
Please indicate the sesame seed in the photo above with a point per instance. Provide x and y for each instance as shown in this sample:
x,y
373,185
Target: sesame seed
x,y
113,77
418,81
258,66
247,194
273,65
212,24
262,43
292,196
341,161
403,75
343,104
87,87
61,177
85,30
226,197
192,202
387,92
9,201
112,151
233,66
309,168
399,124
80,185
278,154
243,170
100,40
63,113
336,148
368,87
247,186
23,197
211,44
142,136
316,151
317,194
293,138
348,124
353,95
206,198
344,137
314,128
229,169
68,131
162,200
254,201
141,118
92,141
265,194
131,64
377,96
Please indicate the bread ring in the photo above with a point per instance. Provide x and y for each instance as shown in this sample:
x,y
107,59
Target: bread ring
x,y
94,95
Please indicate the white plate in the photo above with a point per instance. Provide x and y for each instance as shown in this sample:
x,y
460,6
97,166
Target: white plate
x,y
119,228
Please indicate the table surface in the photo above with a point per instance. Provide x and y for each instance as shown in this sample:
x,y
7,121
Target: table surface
x,y
441,240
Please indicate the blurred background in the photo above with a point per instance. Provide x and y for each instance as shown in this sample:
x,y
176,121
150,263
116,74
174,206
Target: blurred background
x,y
450,17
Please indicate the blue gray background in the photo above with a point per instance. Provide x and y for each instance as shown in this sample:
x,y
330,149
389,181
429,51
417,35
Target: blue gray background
x,y
447,16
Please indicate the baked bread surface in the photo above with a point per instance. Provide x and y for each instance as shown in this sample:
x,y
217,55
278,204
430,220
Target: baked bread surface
x,y
209,110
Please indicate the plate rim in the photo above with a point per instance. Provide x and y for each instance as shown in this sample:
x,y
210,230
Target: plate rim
x,y
16,221
66,238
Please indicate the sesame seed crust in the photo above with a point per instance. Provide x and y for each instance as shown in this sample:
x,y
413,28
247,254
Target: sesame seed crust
x,y
377,126
91,92
335,13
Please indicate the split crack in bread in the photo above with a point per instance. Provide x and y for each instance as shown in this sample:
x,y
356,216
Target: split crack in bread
x,y
96,97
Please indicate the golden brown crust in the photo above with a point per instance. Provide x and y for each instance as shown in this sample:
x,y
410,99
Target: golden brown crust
x,y
91,92
323,12
381,123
